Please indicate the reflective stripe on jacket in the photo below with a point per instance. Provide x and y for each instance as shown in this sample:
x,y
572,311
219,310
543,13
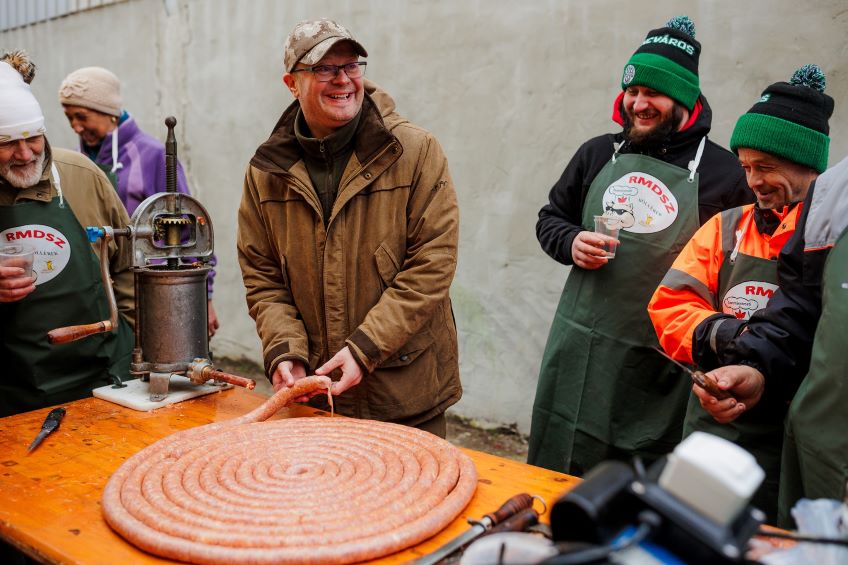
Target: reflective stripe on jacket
x,y
688,295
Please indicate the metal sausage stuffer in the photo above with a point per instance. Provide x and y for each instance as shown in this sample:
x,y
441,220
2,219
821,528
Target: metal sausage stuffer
x,y
172,244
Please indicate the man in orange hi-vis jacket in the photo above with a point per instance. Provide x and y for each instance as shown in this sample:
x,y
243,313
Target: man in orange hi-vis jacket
x,y
728,270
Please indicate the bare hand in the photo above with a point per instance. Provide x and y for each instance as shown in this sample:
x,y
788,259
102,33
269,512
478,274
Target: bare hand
x,y
212,324
14,285
588,250
351,371
286,374
745,383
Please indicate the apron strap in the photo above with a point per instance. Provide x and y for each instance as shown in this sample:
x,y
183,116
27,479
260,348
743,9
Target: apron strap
x,y
693,165
616,147
116,165
54,170
739,235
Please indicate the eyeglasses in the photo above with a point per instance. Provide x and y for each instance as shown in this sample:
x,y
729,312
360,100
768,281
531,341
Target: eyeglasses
x,y
326,73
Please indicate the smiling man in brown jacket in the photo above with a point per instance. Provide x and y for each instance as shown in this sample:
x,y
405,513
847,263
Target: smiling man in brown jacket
x,y
348,231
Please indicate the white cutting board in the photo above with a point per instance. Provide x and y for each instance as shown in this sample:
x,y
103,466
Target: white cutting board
x,y
136,394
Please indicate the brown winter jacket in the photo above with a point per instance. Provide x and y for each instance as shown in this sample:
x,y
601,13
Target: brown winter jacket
x,y
376,278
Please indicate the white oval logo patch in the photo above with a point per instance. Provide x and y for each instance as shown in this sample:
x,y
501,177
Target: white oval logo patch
x,y
52,250
629,74
746,298
642,202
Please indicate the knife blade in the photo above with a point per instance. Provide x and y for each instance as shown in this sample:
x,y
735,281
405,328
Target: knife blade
x,y
51,422
698,377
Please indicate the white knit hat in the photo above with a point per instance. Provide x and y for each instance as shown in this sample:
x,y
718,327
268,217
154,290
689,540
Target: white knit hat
x,y
20,114
92,87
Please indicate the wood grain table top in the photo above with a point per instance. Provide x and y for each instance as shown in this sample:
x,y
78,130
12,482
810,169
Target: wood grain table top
x,y
50,499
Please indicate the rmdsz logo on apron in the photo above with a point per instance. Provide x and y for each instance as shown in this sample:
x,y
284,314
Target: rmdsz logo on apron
x,y
746,298
52,250
642,202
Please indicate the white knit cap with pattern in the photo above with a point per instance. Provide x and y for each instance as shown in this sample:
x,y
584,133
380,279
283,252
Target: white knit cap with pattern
x,y
20,114
92,87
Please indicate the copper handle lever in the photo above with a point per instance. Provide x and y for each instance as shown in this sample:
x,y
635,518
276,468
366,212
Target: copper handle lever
x,y
249,384
73,333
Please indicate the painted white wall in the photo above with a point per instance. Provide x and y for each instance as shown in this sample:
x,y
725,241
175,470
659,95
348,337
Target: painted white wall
x,y
511,89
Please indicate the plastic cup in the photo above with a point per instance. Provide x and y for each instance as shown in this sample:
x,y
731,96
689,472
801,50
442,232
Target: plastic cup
x,y
607,225
17,255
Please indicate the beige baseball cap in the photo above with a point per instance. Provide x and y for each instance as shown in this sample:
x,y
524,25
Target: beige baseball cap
x,y
310,40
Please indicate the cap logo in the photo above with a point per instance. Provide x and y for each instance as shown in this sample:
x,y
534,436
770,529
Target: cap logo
x,y
765,97
679,43
629,74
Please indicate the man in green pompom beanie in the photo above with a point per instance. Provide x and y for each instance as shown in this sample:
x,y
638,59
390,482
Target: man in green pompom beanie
x,y
784,140
727,271
603,392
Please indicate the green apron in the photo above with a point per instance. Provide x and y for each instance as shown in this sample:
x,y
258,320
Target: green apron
x,y
603,393
68,292
815,448
745,285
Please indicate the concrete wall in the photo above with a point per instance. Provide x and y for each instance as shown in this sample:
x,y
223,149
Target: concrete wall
x,y
511,89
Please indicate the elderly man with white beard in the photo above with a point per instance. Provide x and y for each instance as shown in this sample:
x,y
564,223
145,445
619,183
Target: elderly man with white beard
x,y
47,198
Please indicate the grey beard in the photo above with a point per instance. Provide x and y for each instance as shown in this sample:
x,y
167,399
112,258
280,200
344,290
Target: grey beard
x,y
23,180
655,136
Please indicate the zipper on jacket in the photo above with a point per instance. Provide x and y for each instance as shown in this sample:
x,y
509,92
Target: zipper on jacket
x,y
322,259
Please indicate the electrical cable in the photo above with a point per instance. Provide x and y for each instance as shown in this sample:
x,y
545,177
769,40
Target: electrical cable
x,y
648,522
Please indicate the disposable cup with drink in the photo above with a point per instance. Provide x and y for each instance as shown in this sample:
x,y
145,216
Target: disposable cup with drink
x,y
18,255
609,226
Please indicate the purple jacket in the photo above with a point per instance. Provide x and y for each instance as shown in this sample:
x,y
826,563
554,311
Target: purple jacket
x,y
142,173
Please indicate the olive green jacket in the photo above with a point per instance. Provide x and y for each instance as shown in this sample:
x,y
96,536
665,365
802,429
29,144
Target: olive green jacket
x,y
94,202
376,278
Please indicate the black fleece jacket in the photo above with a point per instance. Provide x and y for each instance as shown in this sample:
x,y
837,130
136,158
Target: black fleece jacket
x,y
722,181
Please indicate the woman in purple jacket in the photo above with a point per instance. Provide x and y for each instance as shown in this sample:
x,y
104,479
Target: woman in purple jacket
x,y
133,160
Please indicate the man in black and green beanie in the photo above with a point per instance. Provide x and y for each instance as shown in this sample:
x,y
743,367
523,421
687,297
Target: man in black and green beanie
x,y
666,63
727,271
603,392
795,348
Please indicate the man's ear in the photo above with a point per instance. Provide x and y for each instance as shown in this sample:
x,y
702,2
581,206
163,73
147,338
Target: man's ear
x,y
288,80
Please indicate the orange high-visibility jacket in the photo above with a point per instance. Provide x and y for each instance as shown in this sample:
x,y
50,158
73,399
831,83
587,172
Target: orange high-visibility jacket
x,y
676,310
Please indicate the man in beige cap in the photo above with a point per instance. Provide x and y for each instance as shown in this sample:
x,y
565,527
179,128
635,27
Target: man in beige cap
x,y
348,231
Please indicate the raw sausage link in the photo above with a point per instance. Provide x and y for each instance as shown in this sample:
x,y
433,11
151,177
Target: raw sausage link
x,y
298,490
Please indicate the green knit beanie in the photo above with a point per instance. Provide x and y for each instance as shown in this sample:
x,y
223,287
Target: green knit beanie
x,y
790,120
667,61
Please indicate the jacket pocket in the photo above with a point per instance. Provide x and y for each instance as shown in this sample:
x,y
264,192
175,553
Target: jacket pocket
x,y
273,190
387,265
410,351
405,384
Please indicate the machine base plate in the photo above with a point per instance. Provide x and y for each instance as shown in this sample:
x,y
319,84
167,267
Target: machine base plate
x,y
137,396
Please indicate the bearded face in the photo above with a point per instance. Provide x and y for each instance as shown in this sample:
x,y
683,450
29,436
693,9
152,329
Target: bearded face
x,y
23,174
22,161
649,116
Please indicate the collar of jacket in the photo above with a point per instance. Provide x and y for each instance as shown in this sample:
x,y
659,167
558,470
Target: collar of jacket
x,y
336,143
768,220
678,142
282,149
42,191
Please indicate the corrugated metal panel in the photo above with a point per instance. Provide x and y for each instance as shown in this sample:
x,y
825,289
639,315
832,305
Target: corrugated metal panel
x,y
19,13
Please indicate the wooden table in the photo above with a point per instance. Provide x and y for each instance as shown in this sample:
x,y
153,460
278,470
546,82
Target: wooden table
x,y
50,499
